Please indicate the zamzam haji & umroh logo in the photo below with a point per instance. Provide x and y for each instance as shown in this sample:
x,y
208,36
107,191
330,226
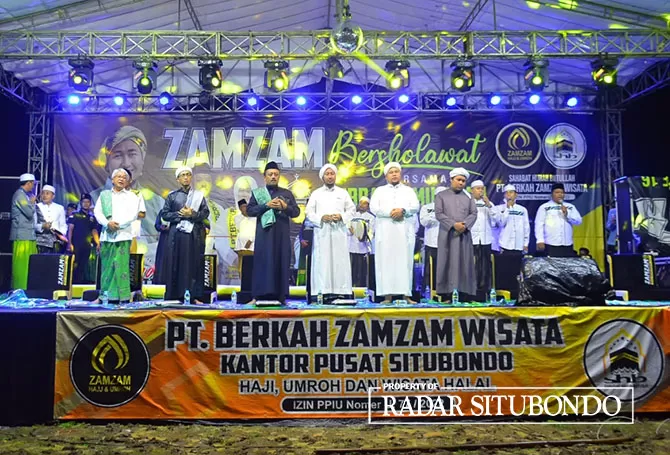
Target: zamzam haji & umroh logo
x,y
109,366
518,145
624,353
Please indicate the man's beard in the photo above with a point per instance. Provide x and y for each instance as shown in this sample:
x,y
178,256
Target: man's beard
x,y
330,185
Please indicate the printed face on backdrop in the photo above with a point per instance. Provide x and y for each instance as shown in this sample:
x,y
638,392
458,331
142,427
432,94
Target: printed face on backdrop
x,y
203,183
243,187
47,197
458,183
393,176
329,177
478,192
126,154
184,179
271,177
558,195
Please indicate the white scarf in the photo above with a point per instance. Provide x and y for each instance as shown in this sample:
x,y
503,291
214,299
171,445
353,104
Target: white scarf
x,y
193,201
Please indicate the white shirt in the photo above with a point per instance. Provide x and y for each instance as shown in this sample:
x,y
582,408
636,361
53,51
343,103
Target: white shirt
x,y
137,224
125,208
394,240
430,224
246,231
487,218
554,228
331,266
53,213
363,247
515,232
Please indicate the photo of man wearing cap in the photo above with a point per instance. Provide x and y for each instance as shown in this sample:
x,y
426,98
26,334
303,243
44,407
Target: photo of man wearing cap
x,y
49,221
22,231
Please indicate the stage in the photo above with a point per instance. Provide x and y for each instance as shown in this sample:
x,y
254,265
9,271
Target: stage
x,y
154,361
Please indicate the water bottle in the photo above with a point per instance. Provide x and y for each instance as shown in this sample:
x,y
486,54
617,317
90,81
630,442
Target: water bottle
x,y
454,297
493,298
319,298
187,297
233,298
104,298
427,293
371,295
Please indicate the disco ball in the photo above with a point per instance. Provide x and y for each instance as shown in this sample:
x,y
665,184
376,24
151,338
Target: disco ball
x,y
346,38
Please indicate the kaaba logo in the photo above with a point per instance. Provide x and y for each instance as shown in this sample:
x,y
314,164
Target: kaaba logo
x,y
564,146
518,145
109,366
624,353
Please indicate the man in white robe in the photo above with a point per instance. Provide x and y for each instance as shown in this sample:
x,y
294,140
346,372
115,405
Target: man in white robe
x,y
395,205
331,209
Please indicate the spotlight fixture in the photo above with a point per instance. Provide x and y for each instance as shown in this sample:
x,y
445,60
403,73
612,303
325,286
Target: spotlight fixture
x,y
333,69
572,101
73,99
451,101
145,77
164,99
276,75
604,72
403,98
301,101
210,74
119,100
397,76
463,75
346,37
356,99
536,75
80,76
534,99
495,100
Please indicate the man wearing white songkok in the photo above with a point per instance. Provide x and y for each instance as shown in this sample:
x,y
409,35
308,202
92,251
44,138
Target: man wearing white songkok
x,y
430,233
115,210
361,234
186,210
515,233
456,212
330,209
50,224
482,237
395,205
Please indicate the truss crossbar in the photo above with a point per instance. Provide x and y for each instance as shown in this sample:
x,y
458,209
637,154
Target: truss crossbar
x,y
19,90
652,78
310,44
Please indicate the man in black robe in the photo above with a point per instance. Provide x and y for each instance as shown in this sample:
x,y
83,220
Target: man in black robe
x,y
186,210
273,207
82,234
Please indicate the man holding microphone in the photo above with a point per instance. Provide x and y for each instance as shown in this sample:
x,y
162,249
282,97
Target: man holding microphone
x,y
553,224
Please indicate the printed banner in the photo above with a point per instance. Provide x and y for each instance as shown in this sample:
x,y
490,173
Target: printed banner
x,y
651,212
228,151
208,364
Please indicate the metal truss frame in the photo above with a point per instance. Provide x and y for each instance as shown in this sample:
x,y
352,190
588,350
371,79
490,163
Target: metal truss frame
x,y
417,45
19,90
318,103
612,131
39,145
654,77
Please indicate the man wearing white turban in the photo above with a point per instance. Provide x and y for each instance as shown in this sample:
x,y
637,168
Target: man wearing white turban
x,y
456,212
50,225
330,209
482,237
186,210
515,233
361,235
395,205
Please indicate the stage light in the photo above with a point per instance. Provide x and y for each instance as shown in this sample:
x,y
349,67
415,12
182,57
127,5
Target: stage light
x,y
145,77
604,72
164,98
534,99
403,98
495,100
572,101
276,75
356,99
252,101
80,76
333,69
301,101
210,74
536,75
463,75
73,99
451,101
397,74
119,100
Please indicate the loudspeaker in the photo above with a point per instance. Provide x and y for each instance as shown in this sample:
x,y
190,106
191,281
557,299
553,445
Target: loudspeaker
x,y
562,281
632,271
209,277
48,273
5,272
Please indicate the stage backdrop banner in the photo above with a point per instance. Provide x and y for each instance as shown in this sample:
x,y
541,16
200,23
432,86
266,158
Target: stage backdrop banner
x,y
186,364
228,151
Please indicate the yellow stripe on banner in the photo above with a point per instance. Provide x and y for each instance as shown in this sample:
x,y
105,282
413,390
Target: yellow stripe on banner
x,y
591,234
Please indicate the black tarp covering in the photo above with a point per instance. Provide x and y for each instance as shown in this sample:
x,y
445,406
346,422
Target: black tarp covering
x,y
562,281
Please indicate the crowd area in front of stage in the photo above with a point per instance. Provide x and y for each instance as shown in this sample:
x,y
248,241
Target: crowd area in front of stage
x,y
341,245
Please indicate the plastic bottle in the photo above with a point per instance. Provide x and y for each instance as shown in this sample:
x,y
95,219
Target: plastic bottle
x,y
454,297
371,295
233,298
319,298
187,297
104,298
427,293
493,297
